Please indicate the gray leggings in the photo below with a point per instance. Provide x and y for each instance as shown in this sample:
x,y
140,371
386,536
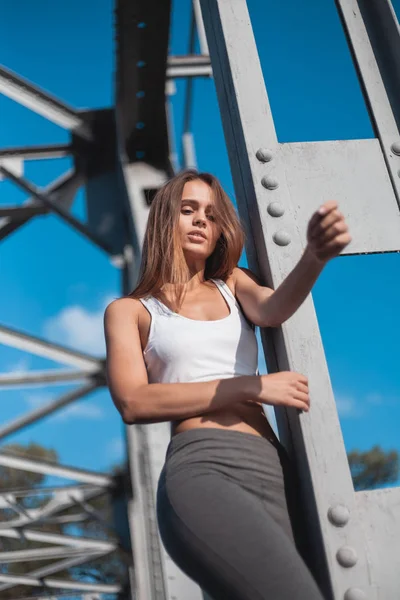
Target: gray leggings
x,y
223,516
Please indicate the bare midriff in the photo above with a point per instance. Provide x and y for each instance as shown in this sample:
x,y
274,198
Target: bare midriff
x,y
245,417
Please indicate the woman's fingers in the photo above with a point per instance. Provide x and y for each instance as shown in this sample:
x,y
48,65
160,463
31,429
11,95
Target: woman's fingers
x,y
319,229
303,397
302,387
323,217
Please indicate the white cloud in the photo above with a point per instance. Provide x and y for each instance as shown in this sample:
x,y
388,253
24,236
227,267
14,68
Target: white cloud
x,y
348,407
78,328
80,409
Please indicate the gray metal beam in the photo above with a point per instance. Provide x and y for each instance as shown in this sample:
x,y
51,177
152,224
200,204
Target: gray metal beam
x,y
63,499
379,514
40,575
188,61
188,148
37,152
336,169
35,345
53,538
189,152
372,81
19,213
142,35
201,33
47,409
28,187
63,189
24,492
195,70
56,470
54,376
53,552
56,596
41,102
58,584
274,247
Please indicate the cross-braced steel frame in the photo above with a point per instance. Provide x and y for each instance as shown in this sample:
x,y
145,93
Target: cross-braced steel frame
x,y
122,156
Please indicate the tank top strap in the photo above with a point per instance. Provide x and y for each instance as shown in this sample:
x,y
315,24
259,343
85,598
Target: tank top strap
x,y
225,291
154,306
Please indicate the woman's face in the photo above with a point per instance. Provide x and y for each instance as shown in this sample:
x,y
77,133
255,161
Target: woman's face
x,y
197,227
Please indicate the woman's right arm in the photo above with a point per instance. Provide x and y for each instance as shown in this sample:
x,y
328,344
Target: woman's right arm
x,y
139,401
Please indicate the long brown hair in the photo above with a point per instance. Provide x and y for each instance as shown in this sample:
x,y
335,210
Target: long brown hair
x,y
163,260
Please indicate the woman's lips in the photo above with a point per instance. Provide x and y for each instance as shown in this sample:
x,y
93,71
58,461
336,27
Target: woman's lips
x,y
196,237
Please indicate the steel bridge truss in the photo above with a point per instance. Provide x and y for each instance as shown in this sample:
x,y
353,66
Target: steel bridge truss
x,y
122,156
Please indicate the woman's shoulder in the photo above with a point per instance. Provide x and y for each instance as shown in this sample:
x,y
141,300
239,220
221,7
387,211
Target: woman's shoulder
x,y
239,275
123,307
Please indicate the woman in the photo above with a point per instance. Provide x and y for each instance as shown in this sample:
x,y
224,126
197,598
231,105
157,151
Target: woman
x,y
182,348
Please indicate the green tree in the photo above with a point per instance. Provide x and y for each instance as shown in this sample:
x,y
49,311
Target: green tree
x,y
374,468
110,569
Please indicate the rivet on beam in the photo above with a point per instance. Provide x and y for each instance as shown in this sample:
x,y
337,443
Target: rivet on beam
x,y
270,183
396,148
346,556
281,238
264,155
354,594
339,515
275,209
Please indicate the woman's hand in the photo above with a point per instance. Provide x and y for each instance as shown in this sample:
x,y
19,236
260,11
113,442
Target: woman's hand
x,y
327,233
284,389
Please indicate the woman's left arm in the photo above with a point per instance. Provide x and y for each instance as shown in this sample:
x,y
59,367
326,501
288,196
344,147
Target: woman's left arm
x,y
327,236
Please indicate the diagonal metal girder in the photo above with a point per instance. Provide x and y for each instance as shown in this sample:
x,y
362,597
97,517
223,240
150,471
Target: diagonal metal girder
x,y
62,189
77,596
54,376
60,584
18,213
51,489
38,577
61,540
35,345
37,466
62,500
37,152
52,552
42,411
47,200
41,102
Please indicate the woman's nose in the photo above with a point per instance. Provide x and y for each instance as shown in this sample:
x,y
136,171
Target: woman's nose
x,y
199,220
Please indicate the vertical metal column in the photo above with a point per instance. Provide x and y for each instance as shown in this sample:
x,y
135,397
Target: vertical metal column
x,y
266,203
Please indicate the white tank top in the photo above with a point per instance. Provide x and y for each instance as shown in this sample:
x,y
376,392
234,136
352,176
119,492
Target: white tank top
x,y
180,349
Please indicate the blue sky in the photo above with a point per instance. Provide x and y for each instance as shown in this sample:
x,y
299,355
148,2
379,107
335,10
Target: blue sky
x,y
56,285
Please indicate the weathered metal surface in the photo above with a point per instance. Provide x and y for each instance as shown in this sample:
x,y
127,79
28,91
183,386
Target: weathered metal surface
x,y
354,173
316,437
379,513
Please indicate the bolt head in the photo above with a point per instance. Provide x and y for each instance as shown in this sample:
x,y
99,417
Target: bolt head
x,y
354,594
270,183
275,209
264,155
396,148
346,556
339,515
281,238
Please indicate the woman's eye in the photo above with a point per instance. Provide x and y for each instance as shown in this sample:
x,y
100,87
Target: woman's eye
x,y
211,217
187,211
